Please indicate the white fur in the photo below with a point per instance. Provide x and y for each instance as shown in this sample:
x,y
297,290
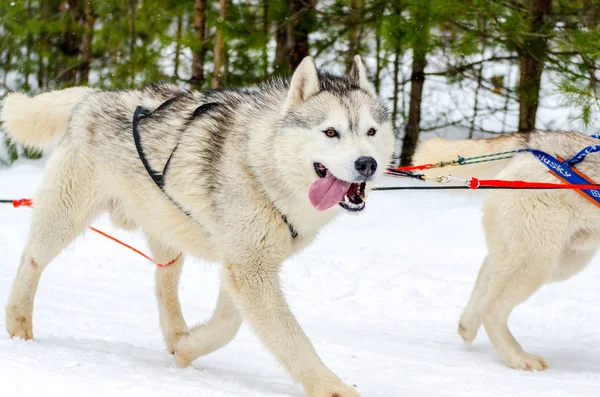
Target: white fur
x,y
305,83
263,169
29,120
359,68
534,237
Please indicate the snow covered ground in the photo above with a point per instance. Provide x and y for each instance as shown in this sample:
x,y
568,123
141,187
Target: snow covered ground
x,y
379,294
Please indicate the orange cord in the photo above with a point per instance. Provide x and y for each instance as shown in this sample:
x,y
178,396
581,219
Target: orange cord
x,y
29,203
116,240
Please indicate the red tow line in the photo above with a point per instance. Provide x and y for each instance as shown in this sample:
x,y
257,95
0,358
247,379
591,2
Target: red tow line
x,y
475,183
415,167
22,203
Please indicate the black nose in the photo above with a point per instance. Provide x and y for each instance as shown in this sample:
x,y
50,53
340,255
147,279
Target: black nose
x,y
366,165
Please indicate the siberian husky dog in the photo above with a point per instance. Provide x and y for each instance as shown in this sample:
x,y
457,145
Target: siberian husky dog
x,y
534,237
242,177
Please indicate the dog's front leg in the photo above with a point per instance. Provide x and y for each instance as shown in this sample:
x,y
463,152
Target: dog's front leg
x,y
255,288
212,335
172,324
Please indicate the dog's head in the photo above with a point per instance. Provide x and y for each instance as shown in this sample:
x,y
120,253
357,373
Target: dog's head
x,y
339,133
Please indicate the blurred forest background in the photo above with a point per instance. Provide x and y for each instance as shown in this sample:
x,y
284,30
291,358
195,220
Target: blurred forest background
x,y
464,68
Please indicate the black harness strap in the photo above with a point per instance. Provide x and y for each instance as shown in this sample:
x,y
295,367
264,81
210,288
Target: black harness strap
x,y
140,113
158,177
204,108
293,231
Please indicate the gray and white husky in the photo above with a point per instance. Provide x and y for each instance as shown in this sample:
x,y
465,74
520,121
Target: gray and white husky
x,y
243,177
534,237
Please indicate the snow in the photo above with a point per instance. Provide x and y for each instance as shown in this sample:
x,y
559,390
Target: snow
x,y
379,294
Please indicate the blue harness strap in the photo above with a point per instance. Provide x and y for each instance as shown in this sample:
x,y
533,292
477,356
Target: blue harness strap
x,y
564,170
579,157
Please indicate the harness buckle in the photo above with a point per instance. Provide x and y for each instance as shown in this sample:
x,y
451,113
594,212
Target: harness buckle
x,y
445,179
447,163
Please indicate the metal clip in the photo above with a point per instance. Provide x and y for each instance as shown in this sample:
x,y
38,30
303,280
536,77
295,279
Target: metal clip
x,y
450,179
445,163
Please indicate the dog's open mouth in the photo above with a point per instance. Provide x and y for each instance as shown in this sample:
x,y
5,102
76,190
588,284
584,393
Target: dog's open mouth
x,y
328,191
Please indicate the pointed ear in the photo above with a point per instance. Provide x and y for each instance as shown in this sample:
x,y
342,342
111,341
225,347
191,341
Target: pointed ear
x,y
358,75
305,83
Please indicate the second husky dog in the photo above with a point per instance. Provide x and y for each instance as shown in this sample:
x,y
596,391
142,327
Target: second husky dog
x,y
534,237
245,178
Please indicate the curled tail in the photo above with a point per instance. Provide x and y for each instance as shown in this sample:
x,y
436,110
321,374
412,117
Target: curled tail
x,y
435,150
42,120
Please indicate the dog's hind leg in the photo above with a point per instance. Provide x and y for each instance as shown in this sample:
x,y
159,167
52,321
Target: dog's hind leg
x,y
504,293
63,208
524,254
470,320
212,335
167,293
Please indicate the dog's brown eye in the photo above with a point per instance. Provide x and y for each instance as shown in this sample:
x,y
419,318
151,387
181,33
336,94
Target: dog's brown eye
x,y
371,132
330,132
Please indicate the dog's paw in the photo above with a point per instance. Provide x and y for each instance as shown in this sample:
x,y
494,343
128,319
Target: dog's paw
x,y
332,389
18,324
467,332
527,362
171,340
184,351
469,325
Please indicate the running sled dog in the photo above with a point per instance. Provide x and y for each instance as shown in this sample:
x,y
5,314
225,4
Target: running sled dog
x,y
534,237
242,177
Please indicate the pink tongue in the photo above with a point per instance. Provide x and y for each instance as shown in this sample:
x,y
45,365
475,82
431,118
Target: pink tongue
x,y
327,192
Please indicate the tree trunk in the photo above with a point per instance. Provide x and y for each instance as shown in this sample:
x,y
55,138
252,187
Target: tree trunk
x,y
41,72
132,38
353,37
71,40
266,28
7,65
532,55
178,46
226,64
280,63
300,26
481,27
27,68
413,128
199,50
397,56
591,21
476,101
46,45
219,50
377,81
398,88
70,44
88,39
